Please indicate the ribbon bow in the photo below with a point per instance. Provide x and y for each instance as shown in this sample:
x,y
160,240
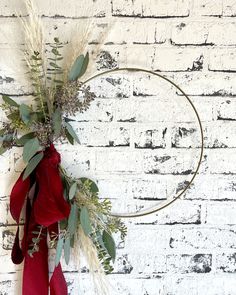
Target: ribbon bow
x,y
45,206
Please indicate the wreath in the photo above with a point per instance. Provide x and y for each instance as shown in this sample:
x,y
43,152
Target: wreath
x,y
61,212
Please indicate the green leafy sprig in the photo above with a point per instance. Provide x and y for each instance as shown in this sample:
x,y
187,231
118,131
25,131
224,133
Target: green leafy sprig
x,y
94,217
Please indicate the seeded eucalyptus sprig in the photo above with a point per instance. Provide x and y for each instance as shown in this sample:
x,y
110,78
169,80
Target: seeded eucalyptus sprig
x,y
93,215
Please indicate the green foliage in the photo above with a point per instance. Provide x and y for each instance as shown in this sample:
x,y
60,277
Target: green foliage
x,y
25,112
79,67
38,82
31,147
60,245
57,122
55,71
37,237
2,150
85,221
9,101
73,190
109,244
72,133
33,163
91,185
73,219
69,137
94,218
25,138
67,250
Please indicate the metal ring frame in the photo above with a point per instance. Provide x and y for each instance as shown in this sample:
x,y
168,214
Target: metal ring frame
x,y
166,203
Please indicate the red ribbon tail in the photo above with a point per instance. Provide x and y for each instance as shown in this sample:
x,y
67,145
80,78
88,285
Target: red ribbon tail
x,y
35,277
58,283
17,255
47,209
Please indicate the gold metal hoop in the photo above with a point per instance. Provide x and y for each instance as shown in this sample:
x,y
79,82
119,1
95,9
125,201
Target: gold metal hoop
x,y
166,203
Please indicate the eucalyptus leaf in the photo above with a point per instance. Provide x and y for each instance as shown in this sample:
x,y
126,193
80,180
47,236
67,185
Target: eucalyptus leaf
x,y
59,249
109,244
2,131
69,137
67,250
72,241
23,139
71,131
57,121
76,68
73,219
25,113
73,190
100,240
85,221
33,163
31,147
85,65
9,101
2,150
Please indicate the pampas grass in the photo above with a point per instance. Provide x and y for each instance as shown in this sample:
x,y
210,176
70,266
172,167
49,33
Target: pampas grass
x,y
33,32
87,248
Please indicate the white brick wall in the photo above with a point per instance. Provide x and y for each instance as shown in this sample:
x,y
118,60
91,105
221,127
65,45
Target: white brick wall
x,y
139,139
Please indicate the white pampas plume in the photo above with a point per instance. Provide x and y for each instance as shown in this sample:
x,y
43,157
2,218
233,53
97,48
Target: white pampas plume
x,y
33,32
101,284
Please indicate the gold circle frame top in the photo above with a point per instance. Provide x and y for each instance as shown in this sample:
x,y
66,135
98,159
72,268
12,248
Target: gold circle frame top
x,y
165,203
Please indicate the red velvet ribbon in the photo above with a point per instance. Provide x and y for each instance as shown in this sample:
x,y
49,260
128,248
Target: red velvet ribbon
x,y
46,207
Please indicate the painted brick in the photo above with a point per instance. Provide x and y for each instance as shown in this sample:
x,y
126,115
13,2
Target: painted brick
x,y
182,212
226,263
229,8
221,213
198,263
142,264
150,137
126,32
151,8
214,187
48,8
203,238
112,86
174,162
5,218
138,234
215,135
217,84
204,33
196,285
216,156
118,161
178,59
193,33
222,60
119,32
82,167
226,110
208,8
102,135
10,284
